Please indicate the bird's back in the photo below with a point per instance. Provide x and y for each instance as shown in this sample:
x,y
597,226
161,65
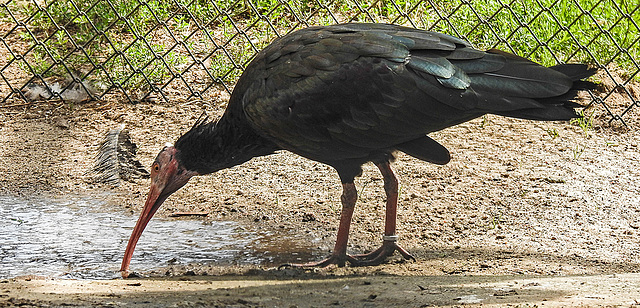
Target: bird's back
x,y
356,92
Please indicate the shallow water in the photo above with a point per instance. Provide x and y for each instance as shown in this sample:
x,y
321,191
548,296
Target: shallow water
x,y
83,238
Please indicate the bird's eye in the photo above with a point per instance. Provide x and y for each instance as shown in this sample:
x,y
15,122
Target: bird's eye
x,y
156,167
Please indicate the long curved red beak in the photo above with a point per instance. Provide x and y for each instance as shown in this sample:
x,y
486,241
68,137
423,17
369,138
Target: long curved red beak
x,y
167,176
154,200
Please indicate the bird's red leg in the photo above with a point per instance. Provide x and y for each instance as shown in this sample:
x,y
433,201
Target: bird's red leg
x,y
389,245
339,255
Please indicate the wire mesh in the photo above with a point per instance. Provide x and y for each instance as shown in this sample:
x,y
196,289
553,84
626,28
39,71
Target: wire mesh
x,y
134,50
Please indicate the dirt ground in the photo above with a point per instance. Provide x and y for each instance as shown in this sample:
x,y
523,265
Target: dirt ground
x,y
526,214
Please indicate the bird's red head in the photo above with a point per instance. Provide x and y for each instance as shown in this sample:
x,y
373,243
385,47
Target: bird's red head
x,y
167,176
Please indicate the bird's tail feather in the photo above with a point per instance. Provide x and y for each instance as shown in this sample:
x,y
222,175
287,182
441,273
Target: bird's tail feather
x,y
561,107
575,71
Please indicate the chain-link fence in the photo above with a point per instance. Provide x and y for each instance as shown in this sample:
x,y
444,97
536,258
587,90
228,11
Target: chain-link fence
x,y
134,50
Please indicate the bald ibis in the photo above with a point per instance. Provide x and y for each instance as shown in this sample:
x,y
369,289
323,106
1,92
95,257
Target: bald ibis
x,y
349,94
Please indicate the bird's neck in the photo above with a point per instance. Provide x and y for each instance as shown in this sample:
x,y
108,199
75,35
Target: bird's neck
x,y
214,146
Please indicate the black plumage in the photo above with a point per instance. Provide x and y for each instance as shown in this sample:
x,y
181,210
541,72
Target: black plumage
x,y
349,94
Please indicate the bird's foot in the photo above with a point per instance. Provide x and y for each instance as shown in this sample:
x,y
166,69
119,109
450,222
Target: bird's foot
x,y
389,246
337,259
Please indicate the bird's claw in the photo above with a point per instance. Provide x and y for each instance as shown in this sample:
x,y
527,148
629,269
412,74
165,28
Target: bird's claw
x,y
373,258
337,259
379,255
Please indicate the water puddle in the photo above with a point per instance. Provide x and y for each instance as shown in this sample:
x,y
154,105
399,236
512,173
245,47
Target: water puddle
x,y
81,238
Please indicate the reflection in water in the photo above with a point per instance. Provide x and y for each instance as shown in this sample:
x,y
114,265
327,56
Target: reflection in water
x,y
83,238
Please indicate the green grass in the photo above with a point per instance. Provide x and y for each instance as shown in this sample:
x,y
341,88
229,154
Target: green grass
x,y
585,121
553,34
553,133
578,151
124,36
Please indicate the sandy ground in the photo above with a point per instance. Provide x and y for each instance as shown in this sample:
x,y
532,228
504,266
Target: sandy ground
x,y
526,214
265,290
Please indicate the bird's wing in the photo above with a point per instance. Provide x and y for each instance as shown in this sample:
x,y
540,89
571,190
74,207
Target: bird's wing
x,y
350,89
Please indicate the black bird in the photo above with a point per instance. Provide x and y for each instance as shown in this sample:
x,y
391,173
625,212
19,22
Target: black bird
x,y
349,94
